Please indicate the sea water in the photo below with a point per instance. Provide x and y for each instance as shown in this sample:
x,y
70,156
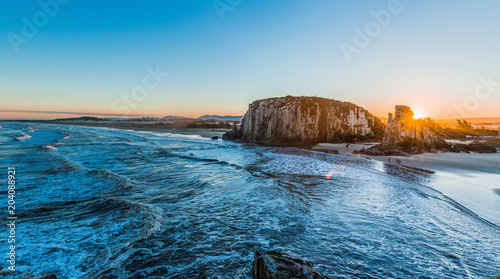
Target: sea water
x,y
107,203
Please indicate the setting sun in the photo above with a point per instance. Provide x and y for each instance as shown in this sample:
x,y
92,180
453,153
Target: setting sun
x,y
418,114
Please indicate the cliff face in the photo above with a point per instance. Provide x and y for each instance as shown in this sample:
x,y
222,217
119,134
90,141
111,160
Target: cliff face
x,y
305,120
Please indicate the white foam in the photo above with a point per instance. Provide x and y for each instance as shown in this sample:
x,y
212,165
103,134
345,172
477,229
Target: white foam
x,y
23,137
48,146
473,190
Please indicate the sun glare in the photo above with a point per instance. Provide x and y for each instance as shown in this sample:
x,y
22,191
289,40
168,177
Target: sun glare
x,y
418,114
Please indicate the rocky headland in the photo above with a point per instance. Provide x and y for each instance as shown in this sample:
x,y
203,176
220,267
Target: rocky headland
x,y
294,121
405,135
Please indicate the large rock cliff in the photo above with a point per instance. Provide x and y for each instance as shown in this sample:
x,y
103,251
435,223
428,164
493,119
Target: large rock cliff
x,y
305,120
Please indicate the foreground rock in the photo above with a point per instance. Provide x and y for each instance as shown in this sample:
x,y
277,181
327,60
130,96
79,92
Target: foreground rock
x,y
304,121
279,265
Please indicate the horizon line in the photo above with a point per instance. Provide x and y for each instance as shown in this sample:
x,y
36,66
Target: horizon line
x,y
143,115
101,114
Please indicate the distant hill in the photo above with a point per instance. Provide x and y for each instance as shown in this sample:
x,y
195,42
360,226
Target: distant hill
x,y
487,122
146,118
221,118
171,117
83,118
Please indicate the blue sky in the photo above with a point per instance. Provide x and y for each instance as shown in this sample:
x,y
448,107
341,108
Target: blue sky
x,y
88,55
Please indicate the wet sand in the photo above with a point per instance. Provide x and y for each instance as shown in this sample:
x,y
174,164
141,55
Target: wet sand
x,y
444,161
472,179
341,147
450,162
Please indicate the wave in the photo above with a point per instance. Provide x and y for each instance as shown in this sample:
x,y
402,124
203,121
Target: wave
x,y
63,163
121,224
48,146
152,215
122,182
166,153
147,221
23,137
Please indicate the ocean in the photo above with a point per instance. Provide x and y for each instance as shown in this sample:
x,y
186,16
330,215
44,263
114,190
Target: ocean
x,y
109,203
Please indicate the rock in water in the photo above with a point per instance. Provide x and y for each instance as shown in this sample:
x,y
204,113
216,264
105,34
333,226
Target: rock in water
x,y
304,121
234,134
280,265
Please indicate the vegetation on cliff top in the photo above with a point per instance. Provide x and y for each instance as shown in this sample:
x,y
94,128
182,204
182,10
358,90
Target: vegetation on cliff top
x,y
461,130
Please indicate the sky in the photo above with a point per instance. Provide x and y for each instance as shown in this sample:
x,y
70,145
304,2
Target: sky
x,y
190,58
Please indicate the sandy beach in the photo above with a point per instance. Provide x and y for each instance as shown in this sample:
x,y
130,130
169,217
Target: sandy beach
x,y
469,178
445,161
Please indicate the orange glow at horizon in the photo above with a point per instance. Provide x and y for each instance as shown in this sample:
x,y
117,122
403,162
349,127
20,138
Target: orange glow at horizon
x,y
54,114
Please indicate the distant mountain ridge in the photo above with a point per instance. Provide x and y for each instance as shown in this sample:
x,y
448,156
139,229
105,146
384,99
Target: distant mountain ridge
x,y
148,118
171,117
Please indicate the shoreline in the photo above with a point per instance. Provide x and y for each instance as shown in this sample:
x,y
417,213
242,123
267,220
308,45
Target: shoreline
x,y
470,179
204,133
140,127
441,161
